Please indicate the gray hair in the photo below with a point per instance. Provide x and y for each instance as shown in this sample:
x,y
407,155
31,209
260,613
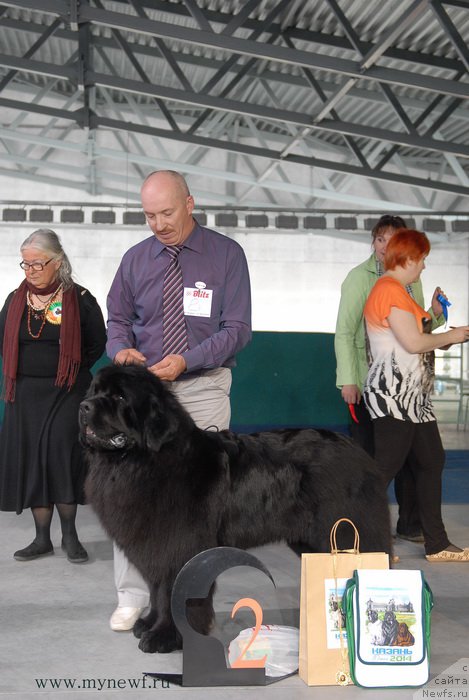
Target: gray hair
x,y
47,241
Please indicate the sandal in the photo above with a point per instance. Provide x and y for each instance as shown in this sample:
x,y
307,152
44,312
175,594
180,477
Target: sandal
x,y
447,555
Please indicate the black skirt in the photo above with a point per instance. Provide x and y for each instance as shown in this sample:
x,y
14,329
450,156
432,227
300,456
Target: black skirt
x,y
41,461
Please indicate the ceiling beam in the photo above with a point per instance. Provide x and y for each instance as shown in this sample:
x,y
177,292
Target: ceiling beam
x,y
76,115
199,61
254,110
247,59
333,165
270,52
238,147
280,115
451,32
318,38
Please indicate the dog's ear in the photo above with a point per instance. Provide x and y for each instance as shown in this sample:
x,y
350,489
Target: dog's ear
x,y
161,424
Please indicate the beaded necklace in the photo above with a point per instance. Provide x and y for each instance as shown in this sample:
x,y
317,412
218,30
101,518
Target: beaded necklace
x,y
40,309
39,313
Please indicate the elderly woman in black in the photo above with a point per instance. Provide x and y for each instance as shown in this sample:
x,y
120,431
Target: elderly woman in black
x,y
51,331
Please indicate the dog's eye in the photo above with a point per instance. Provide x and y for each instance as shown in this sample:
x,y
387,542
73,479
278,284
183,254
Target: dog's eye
x,y
118,397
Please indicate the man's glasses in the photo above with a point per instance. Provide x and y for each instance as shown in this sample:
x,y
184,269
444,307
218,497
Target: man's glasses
x,y
37,267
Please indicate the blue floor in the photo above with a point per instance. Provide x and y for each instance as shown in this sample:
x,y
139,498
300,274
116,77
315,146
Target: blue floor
x,y
455,478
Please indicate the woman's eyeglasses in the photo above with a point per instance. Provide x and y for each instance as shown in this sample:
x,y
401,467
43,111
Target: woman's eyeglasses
x,y
37,267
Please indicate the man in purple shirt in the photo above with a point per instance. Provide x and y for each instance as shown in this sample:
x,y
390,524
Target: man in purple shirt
x,y
217,315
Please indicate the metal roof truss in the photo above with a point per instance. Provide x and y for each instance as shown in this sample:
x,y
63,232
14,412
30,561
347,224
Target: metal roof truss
x,y
260,102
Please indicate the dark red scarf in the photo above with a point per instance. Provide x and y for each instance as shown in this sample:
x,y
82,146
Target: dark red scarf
x,y
70,338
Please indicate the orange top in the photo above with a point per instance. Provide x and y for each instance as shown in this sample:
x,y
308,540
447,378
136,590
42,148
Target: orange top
x,y
386,293
399,383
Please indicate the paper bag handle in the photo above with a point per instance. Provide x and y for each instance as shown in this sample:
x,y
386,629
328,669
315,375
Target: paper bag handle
x,y
356,543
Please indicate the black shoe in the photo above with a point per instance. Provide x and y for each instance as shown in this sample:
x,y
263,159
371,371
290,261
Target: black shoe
x,y
33,551
414,537
76,553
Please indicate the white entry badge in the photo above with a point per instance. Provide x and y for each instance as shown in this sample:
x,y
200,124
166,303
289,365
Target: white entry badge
x,y
197,302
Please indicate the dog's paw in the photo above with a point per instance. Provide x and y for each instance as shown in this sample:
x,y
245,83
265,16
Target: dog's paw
x,y
143,624
161,641
140,627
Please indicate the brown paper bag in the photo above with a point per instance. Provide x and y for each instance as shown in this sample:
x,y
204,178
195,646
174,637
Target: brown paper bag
x,y
323,656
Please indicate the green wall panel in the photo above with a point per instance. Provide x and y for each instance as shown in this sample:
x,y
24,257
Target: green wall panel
x,y
282,379
287,379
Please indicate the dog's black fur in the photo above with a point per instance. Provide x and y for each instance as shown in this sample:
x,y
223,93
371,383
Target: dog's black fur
x,y
165,490
390,628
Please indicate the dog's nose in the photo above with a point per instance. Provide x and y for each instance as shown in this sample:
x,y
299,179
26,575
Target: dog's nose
x,y
85,407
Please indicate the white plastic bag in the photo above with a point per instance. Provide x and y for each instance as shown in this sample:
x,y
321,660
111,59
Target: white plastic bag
x,y
278,643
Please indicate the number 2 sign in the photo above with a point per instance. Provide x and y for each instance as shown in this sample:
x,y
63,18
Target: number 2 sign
x,y
241,661
204,660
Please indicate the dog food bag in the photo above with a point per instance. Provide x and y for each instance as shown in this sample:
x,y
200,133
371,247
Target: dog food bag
x,y
279,644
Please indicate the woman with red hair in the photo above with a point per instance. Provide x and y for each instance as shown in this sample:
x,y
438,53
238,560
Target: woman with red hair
x,y
399,384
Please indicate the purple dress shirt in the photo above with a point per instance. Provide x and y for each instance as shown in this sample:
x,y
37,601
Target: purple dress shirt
x,y
135,300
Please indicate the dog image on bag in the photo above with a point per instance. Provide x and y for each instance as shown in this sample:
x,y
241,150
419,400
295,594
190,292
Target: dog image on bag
x,y
390,628
165,490
405,638
375,628
337,615
389,631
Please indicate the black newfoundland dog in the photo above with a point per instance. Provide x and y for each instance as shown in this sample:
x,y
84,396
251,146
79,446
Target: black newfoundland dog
x,y
165,490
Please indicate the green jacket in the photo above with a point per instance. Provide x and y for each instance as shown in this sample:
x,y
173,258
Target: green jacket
x,y
349,342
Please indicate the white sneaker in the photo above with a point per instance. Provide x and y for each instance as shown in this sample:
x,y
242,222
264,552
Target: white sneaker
x,y
123,618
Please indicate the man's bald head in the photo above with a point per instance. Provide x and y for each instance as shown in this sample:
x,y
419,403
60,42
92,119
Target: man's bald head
x,y
168,206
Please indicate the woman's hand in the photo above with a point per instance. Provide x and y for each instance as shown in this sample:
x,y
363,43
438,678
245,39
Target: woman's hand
x,y
351,393
460,334
437,308
404,326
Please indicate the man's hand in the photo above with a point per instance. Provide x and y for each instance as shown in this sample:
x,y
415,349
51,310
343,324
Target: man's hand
x,y
351,393
169,368
129,356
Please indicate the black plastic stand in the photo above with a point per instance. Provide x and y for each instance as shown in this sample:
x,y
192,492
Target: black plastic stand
x,y
204,662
